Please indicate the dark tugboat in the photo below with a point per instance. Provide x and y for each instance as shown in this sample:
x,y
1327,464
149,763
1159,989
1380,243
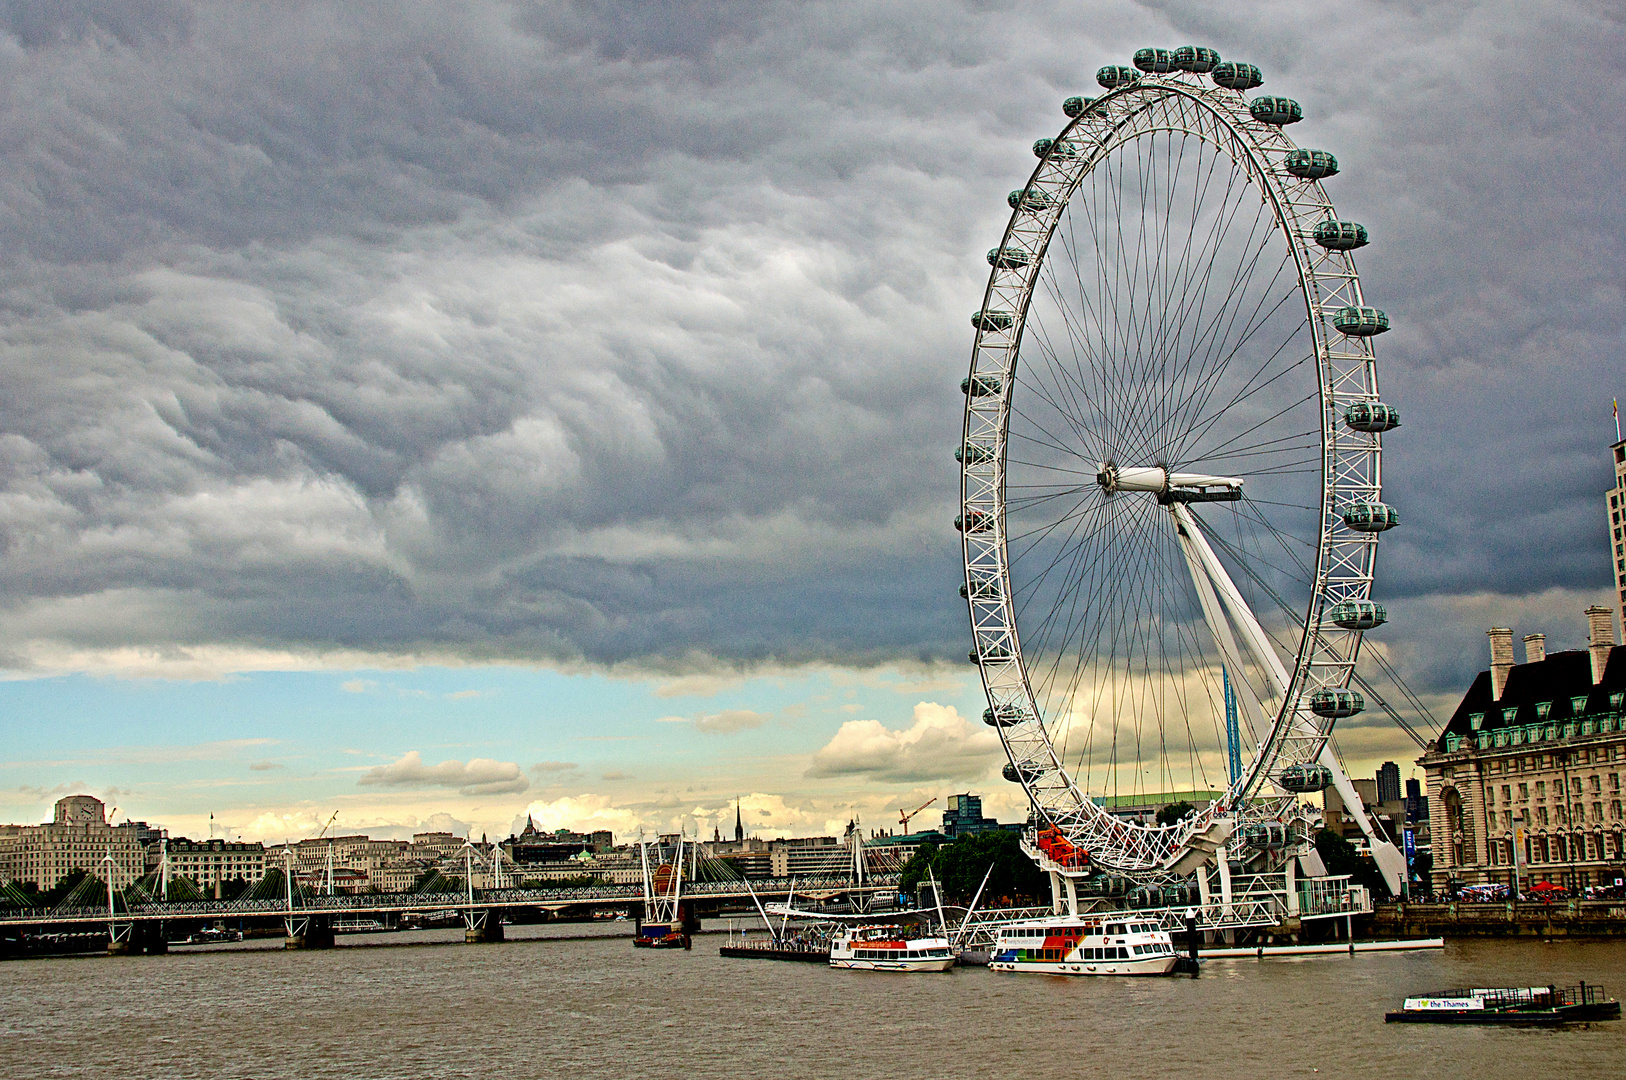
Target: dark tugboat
x,y
1519,1006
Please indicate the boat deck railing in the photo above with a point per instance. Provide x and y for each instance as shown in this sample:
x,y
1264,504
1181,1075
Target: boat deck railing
x,y
1545,997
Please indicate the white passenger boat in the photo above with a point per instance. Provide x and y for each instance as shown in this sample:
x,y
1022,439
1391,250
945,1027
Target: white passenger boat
x,y
888,948
1111,944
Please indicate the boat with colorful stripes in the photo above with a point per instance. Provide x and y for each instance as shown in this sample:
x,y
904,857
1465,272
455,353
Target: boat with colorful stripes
x,y
1109,944
889,948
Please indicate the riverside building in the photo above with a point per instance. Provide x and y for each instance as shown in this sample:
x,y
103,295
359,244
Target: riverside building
x,y
210,862
78,837
1524,782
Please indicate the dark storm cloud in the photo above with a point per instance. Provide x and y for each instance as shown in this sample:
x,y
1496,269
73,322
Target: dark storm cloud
x,y
631,332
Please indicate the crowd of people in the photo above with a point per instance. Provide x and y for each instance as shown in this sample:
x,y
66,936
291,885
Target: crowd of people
x,y
1530,892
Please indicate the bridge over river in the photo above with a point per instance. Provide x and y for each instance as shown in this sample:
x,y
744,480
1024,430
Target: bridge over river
x,y
310,918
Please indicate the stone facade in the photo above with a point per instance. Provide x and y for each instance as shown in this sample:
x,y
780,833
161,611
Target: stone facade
x,y
1530,765
205,862
77,838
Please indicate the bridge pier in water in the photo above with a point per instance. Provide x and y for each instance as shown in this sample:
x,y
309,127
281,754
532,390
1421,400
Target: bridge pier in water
x,y
308,932
480,927
145,938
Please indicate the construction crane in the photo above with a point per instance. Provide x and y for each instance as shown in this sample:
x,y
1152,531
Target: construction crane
x,y
907,816
327,871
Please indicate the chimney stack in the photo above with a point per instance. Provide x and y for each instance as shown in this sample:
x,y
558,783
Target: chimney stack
x,y
1501,639
1535,648
1600,628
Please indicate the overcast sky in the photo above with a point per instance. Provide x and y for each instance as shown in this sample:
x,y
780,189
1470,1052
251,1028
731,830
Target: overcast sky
x,y
521,345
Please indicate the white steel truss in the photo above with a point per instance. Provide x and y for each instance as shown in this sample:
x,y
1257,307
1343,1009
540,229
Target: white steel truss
x,y
1323,657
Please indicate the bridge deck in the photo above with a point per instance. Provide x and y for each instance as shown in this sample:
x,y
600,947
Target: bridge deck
x,y
402,903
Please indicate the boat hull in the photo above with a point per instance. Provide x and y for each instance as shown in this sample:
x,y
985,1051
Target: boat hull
x,y
667,941
934,964
1157,965
1564,1014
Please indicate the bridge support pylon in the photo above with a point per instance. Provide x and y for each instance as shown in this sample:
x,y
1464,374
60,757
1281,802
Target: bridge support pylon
x,y
480,927
143,938
308,932
121,939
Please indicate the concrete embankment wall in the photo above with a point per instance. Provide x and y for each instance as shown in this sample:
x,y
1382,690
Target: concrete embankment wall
x,y
1563,918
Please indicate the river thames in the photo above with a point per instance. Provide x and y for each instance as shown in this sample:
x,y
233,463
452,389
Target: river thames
x,y
562,1006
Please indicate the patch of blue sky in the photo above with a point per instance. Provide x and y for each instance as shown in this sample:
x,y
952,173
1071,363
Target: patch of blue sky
x,y
312,734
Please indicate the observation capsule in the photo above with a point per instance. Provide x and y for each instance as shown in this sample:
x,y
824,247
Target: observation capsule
x,y
1004,716
973,454
1008,258
1074,107
1196,58
980,386
1154,61
981,588
1340,235
1275,111
1336,704
974,522
1055,150
1304,779
992,320
1031,200
1020,774
1371,517
993,654
1311,164
1372,416
1357,615
1113,77
1266,836
1360,321
1234,76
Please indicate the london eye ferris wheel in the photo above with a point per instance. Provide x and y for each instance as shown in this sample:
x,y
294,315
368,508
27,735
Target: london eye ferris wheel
x,y
1171,468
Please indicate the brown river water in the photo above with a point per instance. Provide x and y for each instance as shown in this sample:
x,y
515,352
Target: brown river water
x,y
561,1006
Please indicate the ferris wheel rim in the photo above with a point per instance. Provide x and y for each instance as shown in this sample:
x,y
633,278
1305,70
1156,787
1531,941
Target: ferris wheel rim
x,y
1261,149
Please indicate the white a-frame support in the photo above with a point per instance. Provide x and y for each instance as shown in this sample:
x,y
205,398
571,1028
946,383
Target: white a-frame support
x,y
1214,589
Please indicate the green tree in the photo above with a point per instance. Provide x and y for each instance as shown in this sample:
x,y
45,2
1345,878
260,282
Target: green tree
x,y
960,866
1340,857
914,871
1174,812
66,884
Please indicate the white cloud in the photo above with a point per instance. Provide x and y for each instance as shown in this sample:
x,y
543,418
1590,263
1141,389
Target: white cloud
x,y
583,813
721,723
552,768
939,745
699,685
730,720
480,776
358,686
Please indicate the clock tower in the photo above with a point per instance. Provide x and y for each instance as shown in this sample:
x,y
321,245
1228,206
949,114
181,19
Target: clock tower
x,y
80,810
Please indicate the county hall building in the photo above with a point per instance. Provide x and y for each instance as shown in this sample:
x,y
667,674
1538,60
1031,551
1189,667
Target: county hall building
x,y
1525,779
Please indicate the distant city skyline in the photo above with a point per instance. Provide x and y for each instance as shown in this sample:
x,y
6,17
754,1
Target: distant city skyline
x,y
561,425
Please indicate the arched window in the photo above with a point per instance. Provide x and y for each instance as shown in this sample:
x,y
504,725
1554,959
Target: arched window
x,y
1453,820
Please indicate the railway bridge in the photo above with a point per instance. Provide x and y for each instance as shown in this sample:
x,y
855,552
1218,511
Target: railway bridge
x,y
309,919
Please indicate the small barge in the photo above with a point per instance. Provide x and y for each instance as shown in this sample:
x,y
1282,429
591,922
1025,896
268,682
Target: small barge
x,y
768,949
1518,1006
